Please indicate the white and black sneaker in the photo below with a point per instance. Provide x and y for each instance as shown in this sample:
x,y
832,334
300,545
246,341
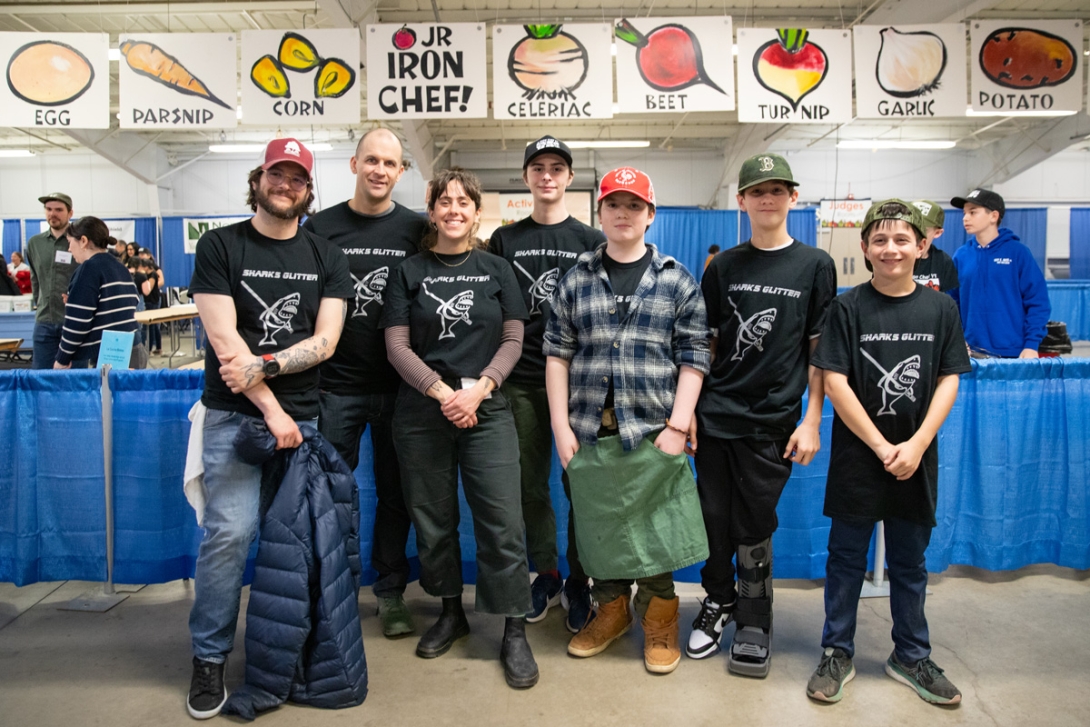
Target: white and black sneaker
x,y
708,629
206,692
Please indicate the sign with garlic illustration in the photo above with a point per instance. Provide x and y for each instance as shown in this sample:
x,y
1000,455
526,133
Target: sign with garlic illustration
x,y
794,75
909,71
55,80
674,64
1026,66
300,77
177,81
557,71
427,71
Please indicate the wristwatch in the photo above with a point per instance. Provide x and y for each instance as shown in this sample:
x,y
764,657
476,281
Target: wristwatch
x,y
271,367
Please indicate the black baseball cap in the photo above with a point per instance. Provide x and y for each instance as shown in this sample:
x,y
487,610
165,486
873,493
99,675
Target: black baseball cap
x,y
983,197
546,145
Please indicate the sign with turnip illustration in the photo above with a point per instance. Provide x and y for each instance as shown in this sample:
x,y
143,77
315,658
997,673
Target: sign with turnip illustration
x,y
674,64
55,80
301,77
1025,66
558,71
427,71
909,71
794,75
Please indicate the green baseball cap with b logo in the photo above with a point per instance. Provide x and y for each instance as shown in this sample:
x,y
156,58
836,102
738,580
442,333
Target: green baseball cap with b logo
x,y
932,213
764,168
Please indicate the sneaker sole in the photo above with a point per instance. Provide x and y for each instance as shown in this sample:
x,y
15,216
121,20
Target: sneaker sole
x,y
541,616
396,633
710,650
207,714
923,693
662,668
834,698
584,653
426,654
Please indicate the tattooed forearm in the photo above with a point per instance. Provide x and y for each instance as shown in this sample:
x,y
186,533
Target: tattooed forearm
x,y
297,359
250,374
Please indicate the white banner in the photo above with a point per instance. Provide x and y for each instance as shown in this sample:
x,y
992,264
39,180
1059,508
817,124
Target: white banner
x,y
197,226
794,75
843,212
1026,65
674,64
552,71
123,230
909,71
177,80
55,80
300,77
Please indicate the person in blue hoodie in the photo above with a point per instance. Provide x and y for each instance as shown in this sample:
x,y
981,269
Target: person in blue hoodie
x,y
1003,298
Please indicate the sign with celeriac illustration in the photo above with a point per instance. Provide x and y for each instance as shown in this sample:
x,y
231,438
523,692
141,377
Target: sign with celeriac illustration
x,y
55,80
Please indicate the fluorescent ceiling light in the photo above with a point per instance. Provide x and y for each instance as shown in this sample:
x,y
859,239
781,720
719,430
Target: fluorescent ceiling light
x,y
608,144
16,153
258,148
115,54
970,112
893,144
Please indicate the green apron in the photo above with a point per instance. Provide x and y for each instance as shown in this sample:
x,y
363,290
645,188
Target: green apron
x,y
637,514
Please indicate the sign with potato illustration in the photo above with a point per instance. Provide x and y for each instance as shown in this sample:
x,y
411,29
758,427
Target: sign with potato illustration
x,y
55,80
1021,65
176,81
553,71
909,71
300,77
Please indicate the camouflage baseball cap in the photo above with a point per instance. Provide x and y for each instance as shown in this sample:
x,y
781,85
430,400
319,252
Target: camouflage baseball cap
x,y
932,213
895,209
764,168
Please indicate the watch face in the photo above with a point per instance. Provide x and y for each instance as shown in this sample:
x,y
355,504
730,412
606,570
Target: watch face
x,y
271,368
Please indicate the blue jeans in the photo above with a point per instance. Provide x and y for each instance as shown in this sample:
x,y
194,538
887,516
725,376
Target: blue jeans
x,y
907,573
47,339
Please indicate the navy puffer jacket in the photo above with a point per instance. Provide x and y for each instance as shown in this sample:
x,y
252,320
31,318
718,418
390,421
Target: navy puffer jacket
x,y
303,637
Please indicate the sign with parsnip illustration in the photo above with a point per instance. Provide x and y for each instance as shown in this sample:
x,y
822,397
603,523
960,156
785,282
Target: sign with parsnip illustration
x,y
1021,65
559,71
909,71
55,80
177,81
300,77
427,71
674,64
794,75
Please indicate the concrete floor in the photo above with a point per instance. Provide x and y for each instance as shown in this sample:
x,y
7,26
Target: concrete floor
x,y
1017,644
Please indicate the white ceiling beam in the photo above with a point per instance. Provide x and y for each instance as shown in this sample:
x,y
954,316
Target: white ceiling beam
x,y
1009,157
914,12
126,149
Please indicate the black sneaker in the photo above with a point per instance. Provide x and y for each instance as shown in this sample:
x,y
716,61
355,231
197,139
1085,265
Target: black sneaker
x,y
828,680
576,601
926,678
708,629
206,692
544,592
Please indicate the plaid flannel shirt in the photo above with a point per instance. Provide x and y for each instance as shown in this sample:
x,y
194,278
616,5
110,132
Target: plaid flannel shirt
x,y
666,327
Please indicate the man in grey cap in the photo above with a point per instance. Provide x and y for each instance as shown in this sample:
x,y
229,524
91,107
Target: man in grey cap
x,y
51,267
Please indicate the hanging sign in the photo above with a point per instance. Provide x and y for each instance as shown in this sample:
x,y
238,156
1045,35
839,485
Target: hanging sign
x,y
843,212
909,71
1024,65
55,80
794,75
122,230
300,77
674,64
177,81
197,226
561,71
427,71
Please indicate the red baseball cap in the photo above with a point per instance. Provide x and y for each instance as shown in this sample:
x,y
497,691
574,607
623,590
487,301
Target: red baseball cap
x,y
627,179
288,150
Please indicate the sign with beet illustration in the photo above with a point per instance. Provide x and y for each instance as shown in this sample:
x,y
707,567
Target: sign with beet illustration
x,y
909,71
674,64
1022,66
301,77
555,71
794,75
427,71
58,80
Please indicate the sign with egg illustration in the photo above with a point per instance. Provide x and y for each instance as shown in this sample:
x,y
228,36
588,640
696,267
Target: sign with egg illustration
x,y
909,71
1026,66
794,76
554,71
55,80
674,64
177,81
300,77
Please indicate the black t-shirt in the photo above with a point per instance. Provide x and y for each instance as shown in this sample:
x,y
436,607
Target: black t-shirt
x,y
540,255
893,351
151,300
277,286
375,246
764,307
624,279
455,306
936,271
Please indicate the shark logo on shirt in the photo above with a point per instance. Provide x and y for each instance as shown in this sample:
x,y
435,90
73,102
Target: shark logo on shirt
x,y
752,330
540,288
452,311
276,317
901,381
369,289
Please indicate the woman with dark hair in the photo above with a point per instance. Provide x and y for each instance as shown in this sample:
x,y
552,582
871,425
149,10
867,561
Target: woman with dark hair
x,y
101,297
132,250
454,317
149,289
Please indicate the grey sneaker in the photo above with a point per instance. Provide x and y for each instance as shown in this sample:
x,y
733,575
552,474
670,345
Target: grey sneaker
x,y
834,671
395,616
206,691
926,678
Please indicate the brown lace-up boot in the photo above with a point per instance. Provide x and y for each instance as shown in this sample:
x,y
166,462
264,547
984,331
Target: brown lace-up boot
x,y
610,622
661,652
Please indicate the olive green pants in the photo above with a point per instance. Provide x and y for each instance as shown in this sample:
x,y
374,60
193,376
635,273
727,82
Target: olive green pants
x,y
661,585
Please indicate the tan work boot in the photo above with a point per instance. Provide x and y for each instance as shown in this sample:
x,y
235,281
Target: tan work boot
x,y
661,652
611,621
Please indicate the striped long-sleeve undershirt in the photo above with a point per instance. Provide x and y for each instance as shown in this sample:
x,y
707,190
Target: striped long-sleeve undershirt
x,y
101,297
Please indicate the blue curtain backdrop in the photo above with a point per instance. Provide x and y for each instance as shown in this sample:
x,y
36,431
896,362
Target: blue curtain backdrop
x,y
801,225
1080,243
13,238
1029,223
176,263
686,233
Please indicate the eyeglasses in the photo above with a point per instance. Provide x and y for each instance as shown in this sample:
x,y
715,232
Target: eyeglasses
x,y
294,181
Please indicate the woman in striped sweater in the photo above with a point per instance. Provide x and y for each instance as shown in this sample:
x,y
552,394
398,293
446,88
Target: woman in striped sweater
x,y
101,296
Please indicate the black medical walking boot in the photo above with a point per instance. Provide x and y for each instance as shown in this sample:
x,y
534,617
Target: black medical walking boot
x,y
519,667
451,626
